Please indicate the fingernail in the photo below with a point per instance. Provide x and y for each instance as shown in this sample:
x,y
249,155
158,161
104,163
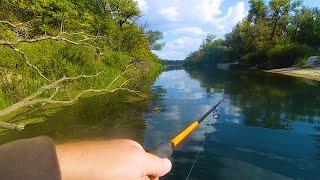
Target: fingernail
x,y
167,164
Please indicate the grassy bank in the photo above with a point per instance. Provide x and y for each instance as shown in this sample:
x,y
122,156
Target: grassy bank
x,y
308,73
58,53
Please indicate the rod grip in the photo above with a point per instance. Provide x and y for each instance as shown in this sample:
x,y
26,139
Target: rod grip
x,y
163,150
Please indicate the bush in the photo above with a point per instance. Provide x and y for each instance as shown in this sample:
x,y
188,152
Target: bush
x,y
255,58
301,63
318,52
285,55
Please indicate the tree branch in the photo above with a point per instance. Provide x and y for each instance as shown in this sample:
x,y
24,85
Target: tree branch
x,y
35,97
9,23
12,126
28,63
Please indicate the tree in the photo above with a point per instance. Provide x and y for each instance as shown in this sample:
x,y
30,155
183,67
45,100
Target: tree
x,y
279,15
274,34
306,27
153,38
258,11
49,48
123,11
210,38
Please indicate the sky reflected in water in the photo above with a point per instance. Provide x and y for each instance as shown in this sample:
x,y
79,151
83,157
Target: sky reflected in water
x,y
253,139
268,127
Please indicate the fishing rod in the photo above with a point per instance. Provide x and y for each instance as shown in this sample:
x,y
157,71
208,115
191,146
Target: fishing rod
x,y
165,150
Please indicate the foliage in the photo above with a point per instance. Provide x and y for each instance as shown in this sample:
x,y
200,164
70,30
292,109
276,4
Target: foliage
x,y
273,35
66,38
287,55
210,53
153,38
301,63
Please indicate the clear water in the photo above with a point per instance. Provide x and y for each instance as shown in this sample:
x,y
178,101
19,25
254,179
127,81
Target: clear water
x,y
269,126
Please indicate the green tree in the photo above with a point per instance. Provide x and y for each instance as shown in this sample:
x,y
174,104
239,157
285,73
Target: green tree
x,y
279,15
123,11
154,37
306,27
258,11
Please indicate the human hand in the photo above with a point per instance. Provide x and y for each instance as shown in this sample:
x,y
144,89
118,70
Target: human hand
x,y
115,159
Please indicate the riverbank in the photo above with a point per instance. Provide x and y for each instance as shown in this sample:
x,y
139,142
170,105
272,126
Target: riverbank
x,y
308,73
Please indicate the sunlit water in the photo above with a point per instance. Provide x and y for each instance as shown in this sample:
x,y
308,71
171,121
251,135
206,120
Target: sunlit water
x,y
268,126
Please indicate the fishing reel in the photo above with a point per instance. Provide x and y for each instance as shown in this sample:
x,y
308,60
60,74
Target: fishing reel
x,y
215,115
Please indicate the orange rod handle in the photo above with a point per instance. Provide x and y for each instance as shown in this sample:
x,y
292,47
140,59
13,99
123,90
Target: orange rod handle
x,y
185,133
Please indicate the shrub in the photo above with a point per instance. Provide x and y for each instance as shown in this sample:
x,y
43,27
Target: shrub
x,y
301,63
285,55
255,58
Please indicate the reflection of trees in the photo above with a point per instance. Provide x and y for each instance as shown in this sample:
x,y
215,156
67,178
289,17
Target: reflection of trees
x,y
102,116
105,116
156,103
266,100
172,68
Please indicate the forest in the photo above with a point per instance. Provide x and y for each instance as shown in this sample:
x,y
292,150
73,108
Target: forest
x,y
57,51
277,34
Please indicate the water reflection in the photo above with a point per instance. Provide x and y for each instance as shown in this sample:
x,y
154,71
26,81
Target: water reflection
x,y
269,126
98,117
267,100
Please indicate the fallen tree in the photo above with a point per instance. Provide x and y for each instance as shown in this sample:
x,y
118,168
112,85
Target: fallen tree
x,y
47,93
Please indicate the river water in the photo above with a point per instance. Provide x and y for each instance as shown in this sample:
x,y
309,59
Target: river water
x,y
269,125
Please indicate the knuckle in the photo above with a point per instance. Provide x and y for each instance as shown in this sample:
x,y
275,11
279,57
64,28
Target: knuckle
x,y
133,143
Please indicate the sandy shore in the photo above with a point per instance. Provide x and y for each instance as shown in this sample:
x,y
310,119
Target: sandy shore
x,y
308,73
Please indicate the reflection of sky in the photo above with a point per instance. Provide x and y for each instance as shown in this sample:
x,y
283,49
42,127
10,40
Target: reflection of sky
x,y
179,87
184,101
232,147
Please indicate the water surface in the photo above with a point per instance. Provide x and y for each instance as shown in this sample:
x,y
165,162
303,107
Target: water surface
x,y
268,126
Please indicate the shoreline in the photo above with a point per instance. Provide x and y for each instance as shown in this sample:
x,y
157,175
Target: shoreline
x,y
307,73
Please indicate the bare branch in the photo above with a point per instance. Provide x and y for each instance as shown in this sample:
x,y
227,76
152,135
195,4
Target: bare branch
x,y
19,24
28,63
12,126
5,43
9,23
31,100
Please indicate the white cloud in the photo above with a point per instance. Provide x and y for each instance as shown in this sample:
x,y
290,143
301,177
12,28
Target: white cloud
x,y
185,23
206,10
170,13
233,16
192,31
179,48
182,42
171,54
142,5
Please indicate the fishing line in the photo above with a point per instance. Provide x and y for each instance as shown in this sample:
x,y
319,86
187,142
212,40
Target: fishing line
x,y
216,117
195,160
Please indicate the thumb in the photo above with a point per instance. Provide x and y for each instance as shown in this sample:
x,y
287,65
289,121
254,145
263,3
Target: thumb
x,y
156,166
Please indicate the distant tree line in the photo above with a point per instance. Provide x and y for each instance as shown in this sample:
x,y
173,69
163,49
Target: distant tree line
x,y
173,62
276,34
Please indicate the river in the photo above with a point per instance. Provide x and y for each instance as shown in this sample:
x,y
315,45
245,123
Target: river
x,y
269,125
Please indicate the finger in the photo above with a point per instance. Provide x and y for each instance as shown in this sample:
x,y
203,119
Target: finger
x,y
156,166
154,178
145,178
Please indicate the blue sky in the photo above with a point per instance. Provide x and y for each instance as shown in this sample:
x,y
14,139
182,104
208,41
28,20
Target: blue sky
x,y
185,23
